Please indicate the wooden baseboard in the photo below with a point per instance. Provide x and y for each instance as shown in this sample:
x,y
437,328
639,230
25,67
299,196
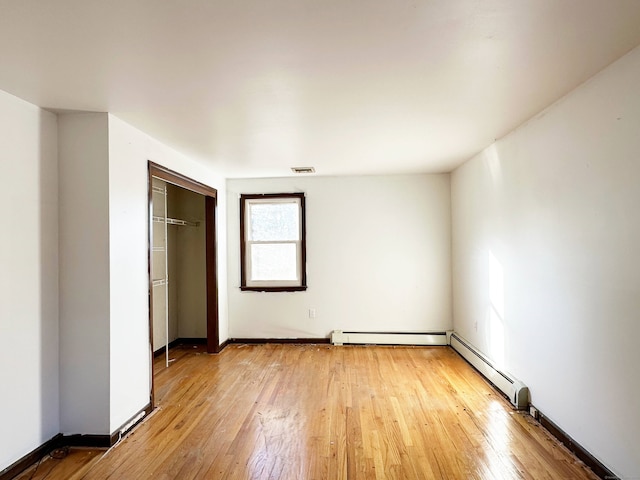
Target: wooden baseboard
x,y
60,440
92,441
30,458
192,341
180,341
279,340
251,341
578,450
223,345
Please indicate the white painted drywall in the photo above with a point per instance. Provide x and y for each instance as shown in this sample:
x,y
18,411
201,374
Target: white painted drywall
x,y
28,278
129,152
545,238
378,258
129,354
74,285
84,273
104,313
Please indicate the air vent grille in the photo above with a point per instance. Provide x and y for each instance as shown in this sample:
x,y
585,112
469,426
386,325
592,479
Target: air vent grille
x,y
303,170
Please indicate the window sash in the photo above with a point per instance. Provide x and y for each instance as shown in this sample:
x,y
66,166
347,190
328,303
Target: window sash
x,y
251,281
251,221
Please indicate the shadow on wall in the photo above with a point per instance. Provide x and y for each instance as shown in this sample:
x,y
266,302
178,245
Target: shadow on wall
x,y
496,340
47,204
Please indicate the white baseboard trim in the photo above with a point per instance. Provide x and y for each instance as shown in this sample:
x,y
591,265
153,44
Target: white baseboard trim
x,y
516,391
339,337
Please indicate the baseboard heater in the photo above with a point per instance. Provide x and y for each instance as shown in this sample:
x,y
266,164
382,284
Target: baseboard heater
x,y
338,337
515,390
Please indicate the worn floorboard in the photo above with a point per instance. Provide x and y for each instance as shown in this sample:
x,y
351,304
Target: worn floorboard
x,y
324,412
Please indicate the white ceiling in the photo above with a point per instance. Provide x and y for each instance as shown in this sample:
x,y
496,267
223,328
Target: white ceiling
x,y
253,87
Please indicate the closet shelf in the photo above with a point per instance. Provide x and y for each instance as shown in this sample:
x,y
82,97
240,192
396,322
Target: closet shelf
x,y
159,190
175,221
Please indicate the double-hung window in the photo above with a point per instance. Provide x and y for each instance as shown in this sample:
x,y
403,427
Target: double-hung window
x,y
273,251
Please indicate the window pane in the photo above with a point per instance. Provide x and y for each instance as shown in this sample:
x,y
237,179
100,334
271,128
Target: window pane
x,y
274,261
274,221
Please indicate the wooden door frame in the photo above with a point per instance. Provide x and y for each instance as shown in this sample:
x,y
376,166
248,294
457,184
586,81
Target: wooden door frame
x,y
211,251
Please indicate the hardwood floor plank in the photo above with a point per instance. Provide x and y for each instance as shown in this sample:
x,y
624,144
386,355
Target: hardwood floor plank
x,y
68,463
325,412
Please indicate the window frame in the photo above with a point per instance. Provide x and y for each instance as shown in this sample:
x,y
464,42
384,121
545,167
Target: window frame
x,y
272,285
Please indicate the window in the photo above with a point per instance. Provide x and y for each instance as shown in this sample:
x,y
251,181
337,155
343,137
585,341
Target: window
x,y
272,248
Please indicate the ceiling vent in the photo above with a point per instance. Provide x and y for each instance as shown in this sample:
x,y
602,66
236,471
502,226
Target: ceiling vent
x,y
303,170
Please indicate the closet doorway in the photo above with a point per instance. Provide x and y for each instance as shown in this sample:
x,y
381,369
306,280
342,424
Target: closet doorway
x,y
183,289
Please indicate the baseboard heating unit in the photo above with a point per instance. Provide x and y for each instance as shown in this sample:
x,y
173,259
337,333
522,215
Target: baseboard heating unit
x,y
515,390
338,337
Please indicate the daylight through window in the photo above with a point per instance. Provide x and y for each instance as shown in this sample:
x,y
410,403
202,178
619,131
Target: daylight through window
x,y
273,242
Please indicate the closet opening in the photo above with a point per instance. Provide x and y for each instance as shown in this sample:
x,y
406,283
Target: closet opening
x,y
183,289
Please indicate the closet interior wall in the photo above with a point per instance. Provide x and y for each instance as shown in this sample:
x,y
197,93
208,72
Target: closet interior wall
x,y
179,303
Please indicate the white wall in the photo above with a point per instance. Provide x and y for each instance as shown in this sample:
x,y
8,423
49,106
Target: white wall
x,y
84,273
73,283
104,312
28,278
129,281
546,231
129,151
378,258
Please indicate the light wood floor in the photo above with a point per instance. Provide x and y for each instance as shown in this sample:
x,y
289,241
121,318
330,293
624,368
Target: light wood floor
x,y
324,412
